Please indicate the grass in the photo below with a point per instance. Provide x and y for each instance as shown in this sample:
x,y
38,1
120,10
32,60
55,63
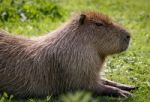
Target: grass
x,y
34,17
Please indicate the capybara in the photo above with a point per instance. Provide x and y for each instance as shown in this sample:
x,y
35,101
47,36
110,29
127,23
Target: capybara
x,y
68,59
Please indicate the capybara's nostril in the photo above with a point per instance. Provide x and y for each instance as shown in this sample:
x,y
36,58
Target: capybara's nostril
x,y
128,36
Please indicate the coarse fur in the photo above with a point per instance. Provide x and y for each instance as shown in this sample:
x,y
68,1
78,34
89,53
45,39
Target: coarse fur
x,y
67,59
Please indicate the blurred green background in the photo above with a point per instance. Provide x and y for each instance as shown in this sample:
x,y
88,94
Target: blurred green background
x,y
33,18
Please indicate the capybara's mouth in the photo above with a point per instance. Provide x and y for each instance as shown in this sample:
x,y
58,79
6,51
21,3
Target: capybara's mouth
x,y
125,46
127,41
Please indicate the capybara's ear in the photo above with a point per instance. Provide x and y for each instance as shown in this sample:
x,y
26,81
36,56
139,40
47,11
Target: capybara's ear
x,y
82,19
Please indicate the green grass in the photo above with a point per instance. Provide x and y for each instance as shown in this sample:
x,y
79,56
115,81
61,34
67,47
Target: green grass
x,y
130,67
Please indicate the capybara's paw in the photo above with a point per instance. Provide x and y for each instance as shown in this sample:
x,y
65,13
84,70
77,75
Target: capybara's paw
x,y
129,88
124,94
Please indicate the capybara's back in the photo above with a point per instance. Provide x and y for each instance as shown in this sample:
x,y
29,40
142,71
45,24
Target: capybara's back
x,y
19,73
12,64
33,68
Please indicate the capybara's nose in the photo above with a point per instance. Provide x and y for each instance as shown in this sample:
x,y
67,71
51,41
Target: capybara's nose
x,y
126,37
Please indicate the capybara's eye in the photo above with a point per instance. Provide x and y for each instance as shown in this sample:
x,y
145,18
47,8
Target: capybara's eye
x,y
99,24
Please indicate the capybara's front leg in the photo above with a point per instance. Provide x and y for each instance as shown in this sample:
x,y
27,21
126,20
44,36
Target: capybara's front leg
x,y
118,85
106,90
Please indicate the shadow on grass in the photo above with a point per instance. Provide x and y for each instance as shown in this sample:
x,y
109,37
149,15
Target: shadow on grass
x,y
80,96
59,99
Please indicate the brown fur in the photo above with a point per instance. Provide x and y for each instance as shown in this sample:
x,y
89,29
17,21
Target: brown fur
x,y
70,58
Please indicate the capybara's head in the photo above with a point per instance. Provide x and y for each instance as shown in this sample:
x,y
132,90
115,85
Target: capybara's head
x,y
106,36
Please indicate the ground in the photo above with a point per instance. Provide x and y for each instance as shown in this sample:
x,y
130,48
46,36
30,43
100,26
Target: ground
x,y
33,18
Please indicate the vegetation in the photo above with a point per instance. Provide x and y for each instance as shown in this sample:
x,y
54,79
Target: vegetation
x,y
36,17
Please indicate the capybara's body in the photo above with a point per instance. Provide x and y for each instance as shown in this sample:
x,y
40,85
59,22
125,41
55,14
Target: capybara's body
x,y
50,66
68,59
